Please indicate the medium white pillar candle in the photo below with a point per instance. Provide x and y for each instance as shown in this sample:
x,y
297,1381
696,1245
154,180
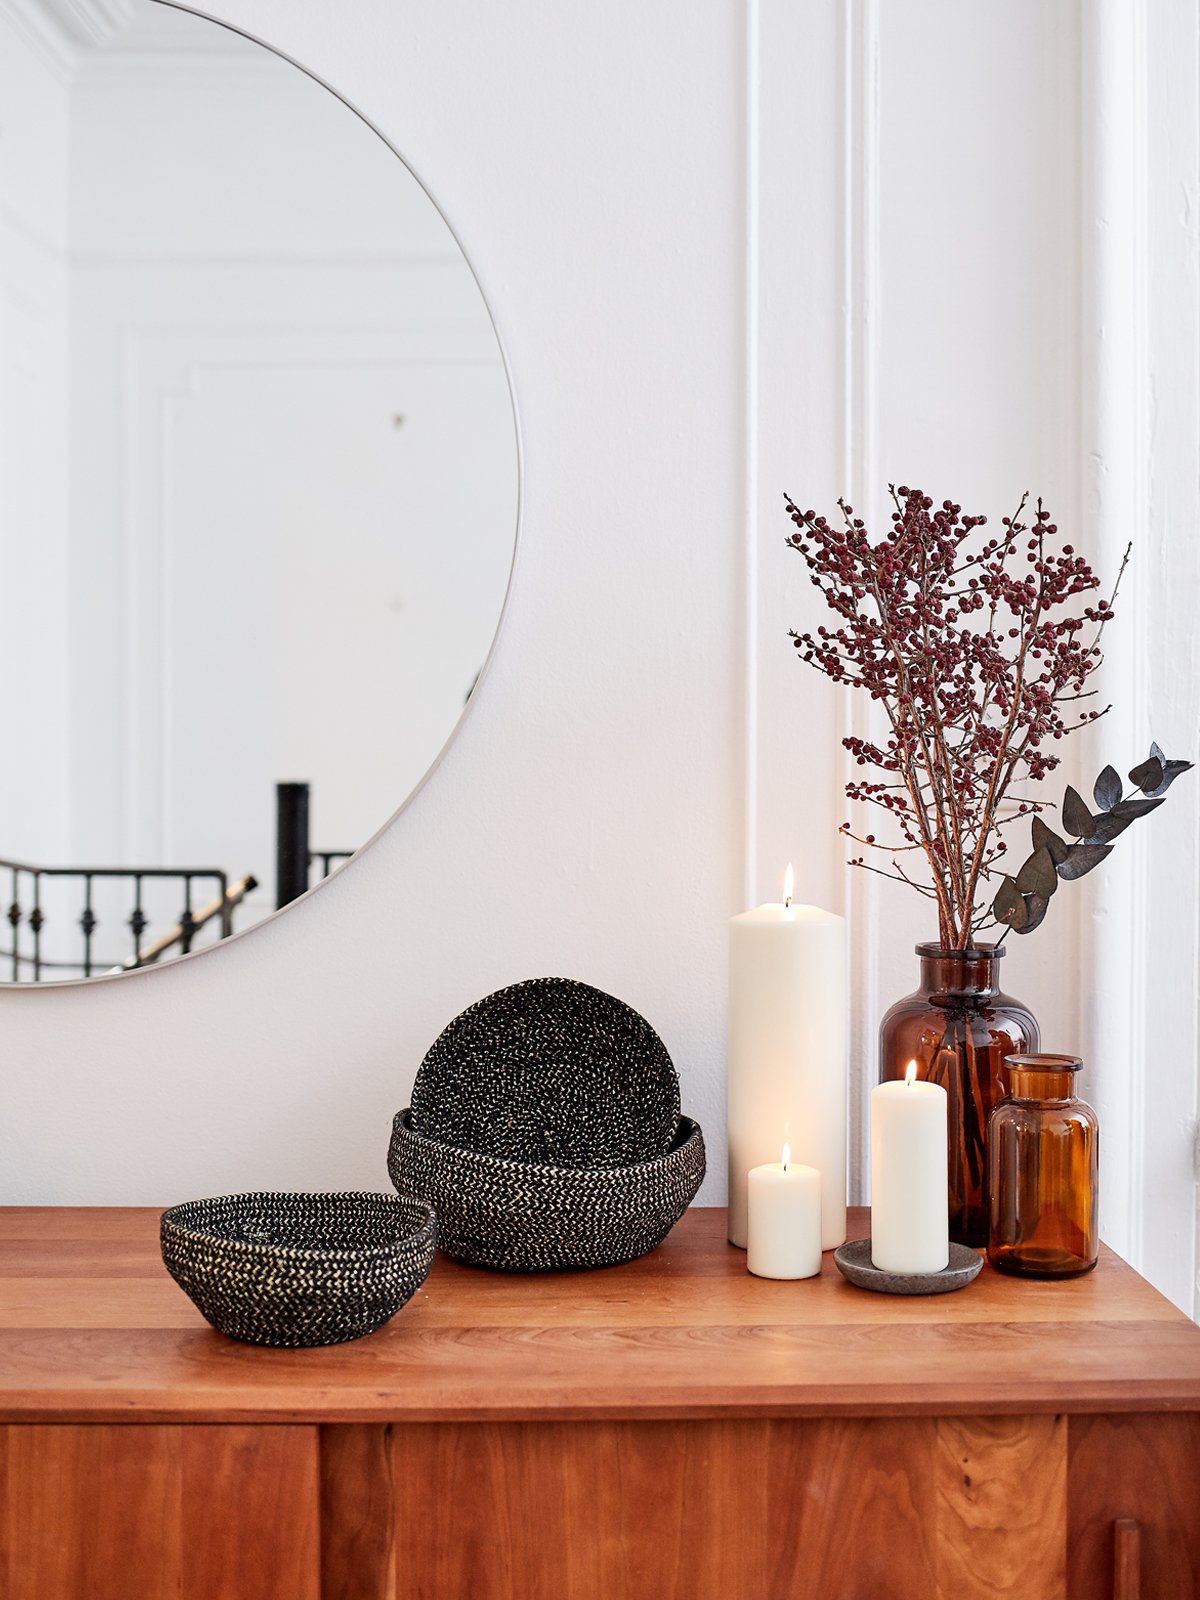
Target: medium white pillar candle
x,y
910,1208
787,1053
784,1220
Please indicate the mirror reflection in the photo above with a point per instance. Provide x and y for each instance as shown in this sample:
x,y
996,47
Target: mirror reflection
x,y
258,485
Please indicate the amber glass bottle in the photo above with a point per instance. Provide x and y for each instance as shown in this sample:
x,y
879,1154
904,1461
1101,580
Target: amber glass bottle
x,y
1042,1153
958,1027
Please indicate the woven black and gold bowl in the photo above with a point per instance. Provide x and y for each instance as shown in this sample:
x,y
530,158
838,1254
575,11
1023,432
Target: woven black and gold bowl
x,y
299,1269
518,1216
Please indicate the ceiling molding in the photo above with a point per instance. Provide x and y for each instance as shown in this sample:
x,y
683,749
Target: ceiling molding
x,y
90,22
70,35
44,34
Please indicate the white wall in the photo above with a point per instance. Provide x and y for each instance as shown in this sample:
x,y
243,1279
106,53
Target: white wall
x,y
729,252
34,143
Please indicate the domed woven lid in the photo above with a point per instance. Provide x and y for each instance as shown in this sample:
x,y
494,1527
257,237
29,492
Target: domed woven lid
x,y
549,1071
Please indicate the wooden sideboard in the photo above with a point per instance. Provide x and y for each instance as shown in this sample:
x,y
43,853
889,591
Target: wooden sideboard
x,y
672,1428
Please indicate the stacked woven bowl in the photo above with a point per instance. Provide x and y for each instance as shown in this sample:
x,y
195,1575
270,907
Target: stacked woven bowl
x,y
545,1132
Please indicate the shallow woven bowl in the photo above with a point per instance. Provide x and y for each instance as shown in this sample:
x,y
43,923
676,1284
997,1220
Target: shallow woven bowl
x,y
299,1269
517,1216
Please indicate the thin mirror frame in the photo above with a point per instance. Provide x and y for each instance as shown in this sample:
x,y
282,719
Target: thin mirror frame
x,y
56,985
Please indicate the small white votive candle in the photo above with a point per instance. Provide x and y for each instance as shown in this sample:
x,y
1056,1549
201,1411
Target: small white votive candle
x,y
783,1220
910,1208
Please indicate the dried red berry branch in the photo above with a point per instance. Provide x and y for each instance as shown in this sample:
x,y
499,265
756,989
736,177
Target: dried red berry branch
x,y
975,646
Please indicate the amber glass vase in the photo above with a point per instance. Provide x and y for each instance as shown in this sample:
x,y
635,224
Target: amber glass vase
x,y
1042,1154
959,1028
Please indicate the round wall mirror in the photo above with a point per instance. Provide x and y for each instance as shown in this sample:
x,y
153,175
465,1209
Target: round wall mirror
x,y
258,485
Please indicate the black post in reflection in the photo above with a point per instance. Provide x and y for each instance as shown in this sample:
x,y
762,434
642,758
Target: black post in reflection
x,y
291,842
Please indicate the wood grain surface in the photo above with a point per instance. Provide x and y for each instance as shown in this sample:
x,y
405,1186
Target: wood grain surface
x,y
1135,1470
695,1511
1002,1507
849,1509
91,1328
140,1513
359,1513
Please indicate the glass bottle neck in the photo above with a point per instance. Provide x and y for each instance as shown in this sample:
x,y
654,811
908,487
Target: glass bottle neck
x,y
969,974
1042,1077
1040,1085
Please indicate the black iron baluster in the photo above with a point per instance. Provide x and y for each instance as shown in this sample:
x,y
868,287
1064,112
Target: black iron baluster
x,y
138,920
328,857
226,908
36,921
14,920
187,923
88,923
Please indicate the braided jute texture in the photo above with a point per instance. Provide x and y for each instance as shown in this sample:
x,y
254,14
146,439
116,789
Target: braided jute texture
x,y
528,1217
549,1071
299,1269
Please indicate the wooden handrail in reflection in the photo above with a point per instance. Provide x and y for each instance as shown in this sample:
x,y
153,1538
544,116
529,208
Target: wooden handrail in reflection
x,y
222,906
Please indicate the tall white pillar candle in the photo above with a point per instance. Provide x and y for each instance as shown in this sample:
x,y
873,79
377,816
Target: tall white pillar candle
x,y
910,1210
787,1053
784,1220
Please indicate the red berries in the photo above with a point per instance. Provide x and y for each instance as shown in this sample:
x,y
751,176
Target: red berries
x,y
975,647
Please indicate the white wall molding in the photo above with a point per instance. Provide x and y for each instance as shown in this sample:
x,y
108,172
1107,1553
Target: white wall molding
x,y
1114,401
860,474
1142,249
794,432
811,323
752,487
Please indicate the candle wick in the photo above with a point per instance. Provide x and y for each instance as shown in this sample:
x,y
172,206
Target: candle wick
x,y
787,900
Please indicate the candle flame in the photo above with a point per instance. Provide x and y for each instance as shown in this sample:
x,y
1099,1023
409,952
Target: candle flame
x,y
789,885
910,1072
787,1156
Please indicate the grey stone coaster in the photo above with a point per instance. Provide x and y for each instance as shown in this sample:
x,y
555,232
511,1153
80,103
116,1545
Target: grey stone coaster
x,y
854,1263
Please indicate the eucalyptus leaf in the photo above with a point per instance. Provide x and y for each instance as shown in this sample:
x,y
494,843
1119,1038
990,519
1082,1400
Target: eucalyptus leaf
x,y
1009,906
1147,775
1037,876
1035,911
1045,838
1108,789
1081,858
1108,828
1171,771
1168,770
1137,806
1077,819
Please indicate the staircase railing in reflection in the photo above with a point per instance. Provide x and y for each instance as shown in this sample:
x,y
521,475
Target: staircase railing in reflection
x,y
28,918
